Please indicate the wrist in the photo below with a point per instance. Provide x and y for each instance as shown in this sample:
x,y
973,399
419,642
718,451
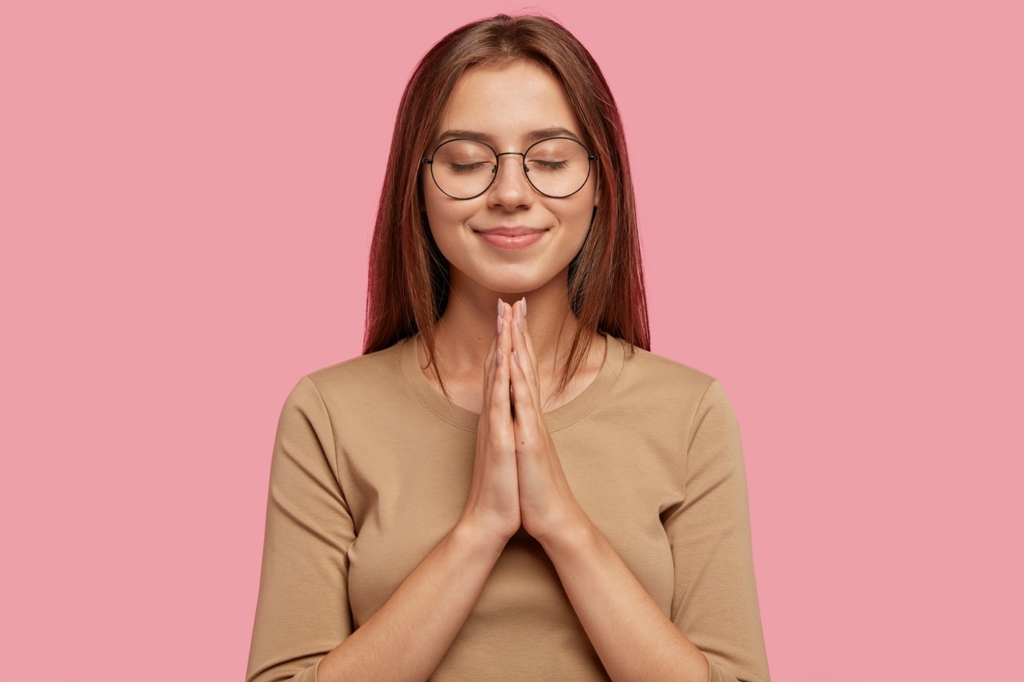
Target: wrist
x,y
482,537
572,531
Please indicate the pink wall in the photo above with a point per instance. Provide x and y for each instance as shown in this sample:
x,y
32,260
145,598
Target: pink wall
x,y
832,205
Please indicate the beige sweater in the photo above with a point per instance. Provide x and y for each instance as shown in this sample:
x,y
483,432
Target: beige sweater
x,y
372,468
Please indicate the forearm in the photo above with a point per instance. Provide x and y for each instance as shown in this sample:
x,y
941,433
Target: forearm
x,y
408,636
632,635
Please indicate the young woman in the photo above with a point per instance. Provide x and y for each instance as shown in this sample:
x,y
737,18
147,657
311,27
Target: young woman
x,y
507,485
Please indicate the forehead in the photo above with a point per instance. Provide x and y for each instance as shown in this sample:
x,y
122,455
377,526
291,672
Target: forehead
x,y
507,103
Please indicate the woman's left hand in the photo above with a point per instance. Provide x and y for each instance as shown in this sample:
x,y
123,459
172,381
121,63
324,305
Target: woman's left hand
x,y
547,505
632,635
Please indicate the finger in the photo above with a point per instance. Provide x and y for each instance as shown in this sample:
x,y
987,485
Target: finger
x,y
524,399
497,397
496,352
490,362
521,353
524,409
505,322
526,328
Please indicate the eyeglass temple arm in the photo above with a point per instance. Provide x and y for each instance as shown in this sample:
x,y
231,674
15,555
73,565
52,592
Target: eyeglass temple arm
x,y
429,162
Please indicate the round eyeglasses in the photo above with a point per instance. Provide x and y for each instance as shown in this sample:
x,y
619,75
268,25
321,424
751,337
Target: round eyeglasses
x,y
557,167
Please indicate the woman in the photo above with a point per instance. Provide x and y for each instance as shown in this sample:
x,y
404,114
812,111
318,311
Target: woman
x,y
496,490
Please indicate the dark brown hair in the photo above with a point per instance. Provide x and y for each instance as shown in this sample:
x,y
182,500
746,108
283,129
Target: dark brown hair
x,y
408,276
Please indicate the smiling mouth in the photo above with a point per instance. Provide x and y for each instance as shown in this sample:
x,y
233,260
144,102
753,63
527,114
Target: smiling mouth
x,y
511,237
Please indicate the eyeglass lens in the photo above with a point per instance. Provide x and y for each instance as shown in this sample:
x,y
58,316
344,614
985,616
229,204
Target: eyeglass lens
x,y
556,167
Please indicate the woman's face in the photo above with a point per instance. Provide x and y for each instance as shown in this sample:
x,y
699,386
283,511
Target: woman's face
x,y
511,239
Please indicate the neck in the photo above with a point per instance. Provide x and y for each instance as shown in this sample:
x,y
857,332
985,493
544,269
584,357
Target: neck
x,y
465,331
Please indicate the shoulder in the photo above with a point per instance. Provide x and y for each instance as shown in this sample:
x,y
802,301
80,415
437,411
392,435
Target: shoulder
x,y
663,376
365,378
359,370
653,389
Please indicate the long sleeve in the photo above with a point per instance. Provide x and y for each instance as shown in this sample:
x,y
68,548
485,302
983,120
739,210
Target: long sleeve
x,y
303,607
714,601
651,449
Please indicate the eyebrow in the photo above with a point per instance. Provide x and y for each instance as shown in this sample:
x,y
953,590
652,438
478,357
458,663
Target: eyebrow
x,y
532,136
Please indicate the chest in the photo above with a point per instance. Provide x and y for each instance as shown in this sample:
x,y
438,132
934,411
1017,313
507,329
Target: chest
x,y
407,488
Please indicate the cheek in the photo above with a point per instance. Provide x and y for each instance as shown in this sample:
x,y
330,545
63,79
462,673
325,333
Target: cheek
x,y
433,205
582,215
442,216
444,220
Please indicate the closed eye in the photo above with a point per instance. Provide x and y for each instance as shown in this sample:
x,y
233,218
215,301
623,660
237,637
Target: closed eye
x,y
549,165
468,167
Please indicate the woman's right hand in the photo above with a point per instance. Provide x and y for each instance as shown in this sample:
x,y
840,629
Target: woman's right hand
x,y
409,635
493,504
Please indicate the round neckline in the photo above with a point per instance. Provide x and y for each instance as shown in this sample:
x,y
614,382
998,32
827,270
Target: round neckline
x,y
558,418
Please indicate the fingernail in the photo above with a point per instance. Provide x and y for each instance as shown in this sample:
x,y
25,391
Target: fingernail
x,y
497,356
515,354
499,324
501,307
520,321
522,306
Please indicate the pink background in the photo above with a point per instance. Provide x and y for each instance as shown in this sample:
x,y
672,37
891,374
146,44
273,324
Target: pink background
x,y
832,201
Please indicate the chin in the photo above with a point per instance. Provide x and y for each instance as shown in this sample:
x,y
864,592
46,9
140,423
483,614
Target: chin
x,y
524,284
516,286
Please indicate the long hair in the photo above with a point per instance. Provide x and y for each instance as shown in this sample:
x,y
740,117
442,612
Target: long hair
x,y
408,276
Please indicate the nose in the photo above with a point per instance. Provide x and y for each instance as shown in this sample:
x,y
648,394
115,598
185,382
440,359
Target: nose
x,y
511,188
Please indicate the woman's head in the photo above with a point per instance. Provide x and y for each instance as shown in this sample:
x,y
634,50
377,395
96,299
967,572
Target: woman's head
x,y
409,276
508,188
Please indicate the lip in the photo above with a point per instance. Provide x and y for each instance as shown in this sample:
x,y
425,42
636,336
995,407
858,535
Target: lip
x,y
511,237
